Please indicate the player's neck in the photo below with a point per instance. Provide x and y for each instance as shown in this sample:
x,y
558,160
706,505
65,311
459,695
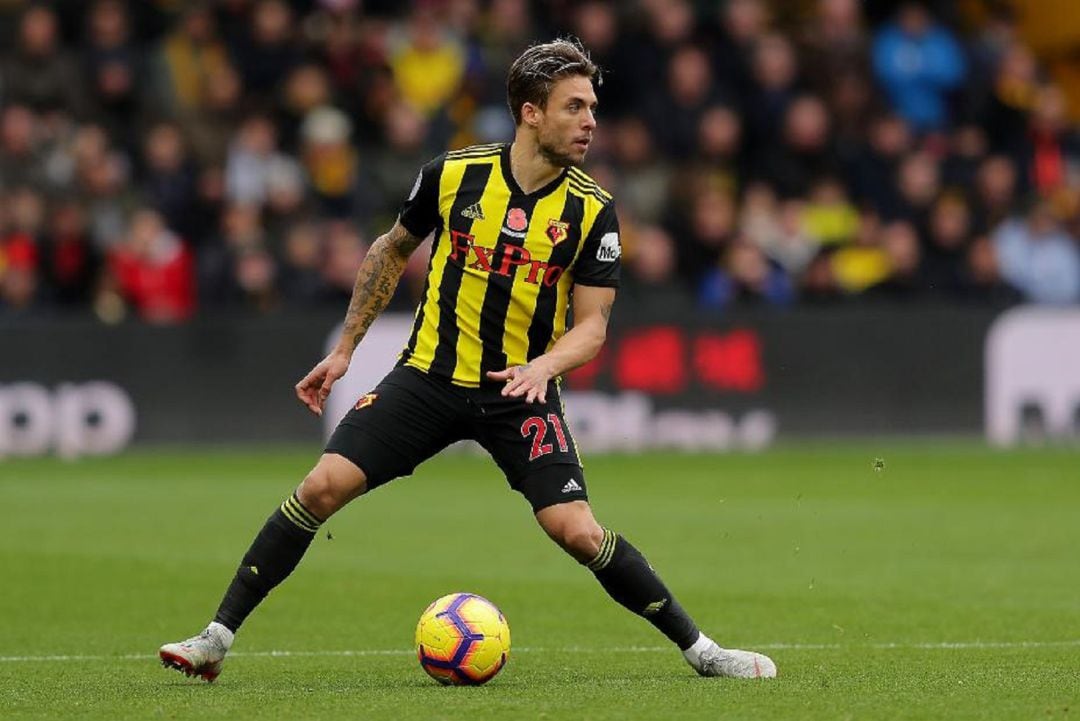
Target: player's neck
x,y
531,170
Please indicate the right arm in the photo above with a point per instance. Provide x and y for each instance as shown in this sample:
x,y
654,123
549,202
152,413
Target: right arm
x,y
376,281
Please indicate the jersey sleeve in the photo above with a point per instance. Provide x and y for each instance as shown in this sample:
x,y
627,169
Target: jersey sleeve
x,y
420,212
598,263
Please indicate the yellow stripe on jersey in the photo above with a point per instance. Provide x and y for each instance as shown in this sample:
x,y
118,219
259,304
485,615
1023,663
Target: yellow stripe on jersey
x,y
495,203
428,336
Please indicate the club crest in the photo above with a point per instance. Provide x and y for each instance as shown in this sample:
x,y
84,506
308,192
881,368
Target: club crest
x,y
366,400
557,231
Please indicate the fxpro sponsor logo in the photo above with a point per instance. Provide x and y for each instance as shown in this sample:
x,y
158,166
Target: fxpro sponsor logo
x,y
505,261
1033,376
73,419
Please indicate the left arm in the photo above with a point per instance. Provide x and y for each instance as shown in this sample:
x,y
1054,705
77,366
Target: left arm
x,y
580,344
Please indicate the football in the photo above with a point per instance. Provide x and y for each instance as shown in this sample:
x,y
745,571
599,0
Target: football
x,y
462,639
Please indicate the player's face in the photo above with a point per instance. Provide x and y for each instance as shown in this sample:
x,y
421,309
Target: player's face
x,y
566,124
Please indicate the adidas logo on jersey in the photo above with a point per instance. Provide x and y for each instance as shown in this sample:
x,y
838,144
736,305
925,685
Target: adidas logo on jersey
x,y
474,212
571,485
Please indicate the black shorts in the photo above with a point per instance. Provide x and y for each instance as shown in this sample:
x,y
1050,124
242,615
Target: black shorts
x,y
411,416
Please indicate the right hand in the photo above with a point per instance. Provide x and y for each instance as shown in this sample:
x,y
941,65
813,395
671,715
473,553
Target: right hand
x,y
313,388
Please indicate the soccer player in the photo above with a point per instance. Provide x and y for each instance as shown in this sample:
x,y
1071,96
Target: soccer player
x,y
521,237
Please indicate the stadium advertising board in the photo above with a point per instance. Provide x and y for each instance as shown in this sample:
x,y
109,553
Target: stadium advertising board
x,y
702,382
685,381
1033,376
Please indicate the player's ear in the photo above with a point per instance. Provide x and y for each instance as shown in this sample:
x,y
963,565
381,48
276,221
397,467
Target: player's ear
x,y
530,115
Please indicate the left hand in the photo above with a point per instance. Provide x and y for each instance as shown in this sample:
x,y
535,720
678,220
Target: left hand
x,y
529,380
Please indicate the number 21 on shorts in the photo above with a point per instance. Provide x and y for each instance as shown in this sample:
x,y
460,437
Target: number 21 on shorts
x,y
537,426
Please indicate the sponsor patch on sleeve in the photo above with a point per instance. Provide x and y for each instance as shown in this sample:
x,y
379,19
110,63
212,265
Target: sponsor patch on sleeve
x,y
608,250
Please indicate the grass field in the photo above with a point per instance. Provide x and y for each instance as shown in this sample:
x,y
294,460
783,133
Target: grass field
x,y
945,585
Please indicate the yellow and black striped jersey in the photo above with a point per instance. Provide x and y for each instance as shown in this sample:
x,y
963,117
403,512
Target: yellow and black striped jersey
x,y
503,262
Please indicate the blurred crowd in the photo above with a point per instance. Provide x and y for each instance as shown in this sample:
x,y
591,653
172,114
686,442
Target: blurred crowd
x,y
161,159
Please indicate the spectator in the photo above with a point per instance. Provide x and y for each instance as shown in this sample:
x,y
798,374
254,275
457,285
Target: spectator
x,y
1011,99
21,161
719,145
873,168
743,24
918,62
983,281
345,250
829,218
644,174
995,192
950,236
252,152
704,239
38,72
904,281
186,60
862,263
70,265
1051,148
266,53
301,281
307,87
819,285
777,228
330,160
834,44
803,154
428,65
112,65
747,277
775,86
674,113
210,127
967,147
154,271
168,180
653,266
1038,257
20,247
918,183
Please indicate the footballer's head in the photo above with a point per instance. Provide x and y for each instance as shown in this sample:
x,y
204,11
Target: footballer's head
x,y
550,92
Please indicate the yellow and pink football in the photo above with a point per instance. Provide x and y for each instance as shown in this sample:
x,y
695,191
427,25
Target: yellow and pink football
x,y
462,639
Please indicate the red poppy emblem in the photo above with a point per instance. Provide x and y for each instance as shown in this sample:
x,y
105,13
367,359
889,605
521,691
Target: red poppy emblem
x,y
517,220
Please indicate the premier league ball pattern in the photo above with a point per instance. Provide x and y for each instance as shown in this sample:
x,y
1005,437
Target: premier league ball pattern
x,y
462,639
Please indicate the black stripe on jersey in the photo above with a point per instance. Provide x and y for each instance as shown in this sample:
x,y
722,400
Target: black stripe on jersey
x,y
585,190
473,182
497,297
589,183
543,320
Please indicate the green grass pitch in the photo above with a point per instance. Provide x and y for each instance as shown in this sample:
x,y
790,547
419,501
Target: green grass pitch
x,y
944,585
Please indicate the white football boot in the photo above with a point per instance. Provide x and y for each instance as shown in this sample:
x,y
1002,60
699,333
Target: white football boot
x,y
201,655
708,659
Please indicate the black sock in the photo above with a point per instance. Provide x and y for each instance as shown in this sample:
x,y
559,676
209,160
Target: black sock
x,y
629,579
272,557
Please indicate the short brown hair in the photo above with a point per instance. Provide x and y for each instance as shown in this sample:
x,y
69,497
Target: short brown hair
x,y
537,69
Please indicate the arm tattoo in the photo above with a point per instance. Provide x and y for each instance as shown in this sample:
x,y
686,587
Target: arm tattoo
x,y
377,280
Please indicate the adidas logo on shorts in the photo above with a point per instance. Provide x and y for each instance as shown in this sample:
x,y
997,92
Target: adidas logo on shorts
x,y
571,485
